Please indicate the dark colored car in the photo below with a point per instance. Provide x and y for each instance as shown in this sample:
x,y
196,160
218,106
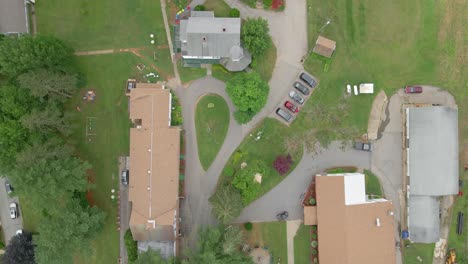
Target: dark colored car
x,y
299,86
296,97
8,187
291,107
363,146
125,177
413,89
308,79
282,216
285,115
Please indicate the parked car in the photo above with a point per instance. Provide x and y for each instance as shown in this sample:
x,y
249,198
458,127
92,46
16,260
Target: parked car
x,y
282,216
308,79
291,107
13,210
285,115
413,89
19,232
363,146
125,175
296,97
299,86
8,187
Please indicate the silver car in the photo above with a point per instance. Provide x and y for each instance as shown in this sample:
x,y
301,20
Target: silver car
x,y
13,210
296,97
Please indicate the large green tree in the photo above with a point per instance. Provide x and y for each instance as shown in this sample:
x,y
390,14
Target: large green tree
x,y
65,231
227,204
254,35
14,103
19,250
249,94
49,84
19,55
211,249
50,180
245,183
47,120
233,238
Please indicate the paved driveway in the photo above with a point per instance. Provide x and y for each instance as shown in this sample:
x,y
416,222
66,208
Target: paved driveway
x,y
9,226
287,194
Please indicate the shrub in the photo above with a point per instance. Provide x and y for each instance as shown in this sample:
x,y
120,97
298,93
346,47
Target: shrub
x,y
267,4
314,252
251,3
282,164
312,201
314,236
132,246
229,171
200,8
314,228
234,12
244,181
314,244
248,226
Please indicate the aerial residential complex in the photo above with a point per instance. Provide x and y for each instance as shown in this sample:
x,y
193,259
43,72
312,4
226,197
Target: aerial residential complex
x,y
153,167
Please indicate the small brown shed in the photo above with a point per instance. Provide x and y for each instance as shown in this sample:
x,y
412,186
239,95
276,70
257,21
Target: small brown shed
x,y
324,46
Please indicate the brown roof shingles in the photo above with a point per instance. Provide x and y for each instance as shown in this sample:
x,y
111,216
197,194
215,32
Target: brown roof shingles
x,y
154,159
324,46
349,234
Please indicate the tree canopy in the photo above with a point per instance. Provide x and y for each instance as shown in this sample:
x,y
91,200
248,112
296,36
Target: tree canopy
x,y
19,55
245,183
227,204
254,35
212,243
20,250
65,231
249,93
48,84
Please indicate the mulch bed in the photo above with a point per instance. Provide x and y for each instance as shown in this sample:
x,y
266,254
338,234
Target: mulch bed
x,y
276,4
89,194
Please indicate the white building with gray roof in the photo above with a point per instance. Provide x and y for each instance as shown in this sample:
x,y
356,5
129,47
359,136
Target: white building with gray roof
x,y
432,167
206,39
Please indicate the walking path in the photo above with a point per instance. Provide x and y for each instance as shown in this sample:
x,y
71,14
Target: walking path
x,y
291,230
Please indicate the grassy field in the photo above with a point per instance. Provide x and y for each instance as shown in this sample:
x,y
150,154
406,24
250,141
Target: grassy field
x,y
271,235
372,184
220,8
460,242
266,149
105,24
211,122
190,74
302,248
111,124
424,251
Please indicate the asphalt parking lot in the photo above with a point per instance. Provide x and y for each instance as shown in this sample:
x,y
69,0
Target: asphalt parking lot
x,y
287,98
9,226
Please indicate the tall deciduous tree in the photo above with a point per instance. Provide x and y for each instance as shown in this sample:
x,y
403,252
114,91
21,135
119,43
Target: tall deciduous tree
x,y
19,55
53,148
254,35
211,250
50,180
227,204
47,120
233,238
49,84
20,250
67,231
249,94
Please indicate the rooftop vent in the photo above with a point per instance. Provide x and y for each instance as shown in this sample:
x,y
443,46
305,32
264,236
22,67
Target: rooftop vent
x,y
224,29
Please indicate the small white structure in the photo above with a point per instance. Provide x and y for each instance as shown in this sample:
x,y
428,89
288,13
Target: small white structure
x,y
348,89
355,90
366,88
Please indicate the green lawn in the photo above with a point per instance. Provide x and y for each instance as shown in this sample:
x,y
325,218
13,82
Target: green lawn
x,y
267,148
372,184
460,242
104,24
302,248
424,251
220,8
188,74
271,235
211,122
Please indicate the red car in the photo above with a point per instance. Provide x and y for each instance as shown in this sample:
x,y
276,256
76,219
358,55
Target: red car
x,y
291,107
413,89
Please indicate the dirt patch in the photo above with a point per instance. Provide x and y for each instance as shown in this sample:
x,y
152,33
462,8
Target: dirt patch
x,y
89,194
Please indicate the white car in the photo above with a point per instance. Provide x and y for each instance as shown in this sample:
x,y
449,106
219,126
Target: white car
x,y
19,232
13,210
348,89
